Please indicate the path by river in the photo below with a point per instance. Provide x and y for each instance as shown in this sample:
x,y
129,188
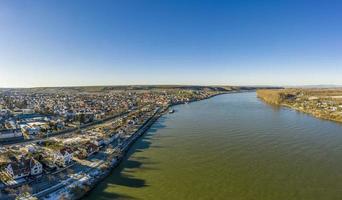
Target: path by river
x,y
232,146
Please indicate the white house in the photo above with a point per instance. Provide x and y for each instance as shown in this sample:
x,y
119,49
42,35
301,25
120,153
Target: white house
x,y
31,130
99,142
15,172
34,130
62,158
24,167
36,167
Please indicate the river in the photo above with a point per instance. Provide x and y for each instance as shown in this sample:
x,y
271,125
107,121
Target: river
x,y
231,146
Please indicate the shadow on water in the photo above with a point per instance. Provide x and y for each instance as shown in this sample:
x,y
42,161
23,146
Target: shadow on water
x,y
274,107
119,175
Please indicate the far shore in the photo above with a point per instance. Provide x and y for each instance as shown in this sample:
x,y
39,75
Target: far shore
x,y
320,103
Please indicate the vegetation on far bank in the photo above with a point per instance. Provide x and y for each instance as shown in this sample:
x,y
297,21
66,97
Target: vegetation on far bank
x,y
322,103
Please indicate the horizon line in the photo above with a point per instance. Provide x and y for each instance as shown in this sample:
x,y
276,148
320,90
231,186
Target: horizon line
x,y
178,85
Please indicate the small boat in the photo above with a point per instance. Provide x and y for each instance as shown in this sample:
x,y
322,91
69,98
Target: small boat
x,y
171,111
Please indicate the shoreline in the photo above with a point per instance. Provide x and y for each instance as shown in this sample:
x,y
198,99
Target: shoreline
x,y
278,98
310,113
125,150
87,183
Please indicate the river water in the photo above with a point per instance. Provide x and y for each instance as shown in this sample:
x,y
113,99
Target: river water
x,y
231,146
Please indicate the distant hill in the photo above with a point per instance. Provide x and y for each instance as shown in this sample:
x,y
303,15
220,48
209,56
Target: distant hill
x,y
315,86
97,89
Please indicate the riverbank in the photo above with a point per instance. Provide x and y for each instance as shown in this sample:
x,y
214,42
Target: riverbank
x,y
321,103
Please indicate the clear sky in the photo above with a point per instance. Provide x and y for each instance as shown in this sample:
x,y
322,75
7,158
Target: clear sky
x,y
237,42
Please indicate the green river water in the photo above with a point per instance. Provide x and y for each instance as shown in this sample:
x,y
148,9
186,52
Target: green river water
x,y
232,147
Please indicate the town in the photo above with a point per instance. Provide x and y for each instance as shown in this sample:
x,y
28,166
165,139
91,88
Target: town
x,y
321,103
59,143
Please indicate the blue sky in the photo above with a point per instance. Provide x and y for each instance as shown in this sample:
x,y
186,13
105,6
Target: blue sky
x,y
112,42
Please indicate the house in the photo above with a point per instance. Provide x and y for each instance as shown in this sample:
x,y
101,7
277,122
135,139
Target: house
x,y
99,116
86,149
60,125
63,157
121,132
31,130
81,153
99,142
333,108
91,148
4,112
131,122
10,124
36,167
27,111
70,115
10,134
19,168
31,148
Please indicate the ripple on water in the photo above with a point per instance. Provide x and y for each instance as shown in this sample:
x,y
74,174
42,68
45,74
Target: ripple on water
x,y
232,147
